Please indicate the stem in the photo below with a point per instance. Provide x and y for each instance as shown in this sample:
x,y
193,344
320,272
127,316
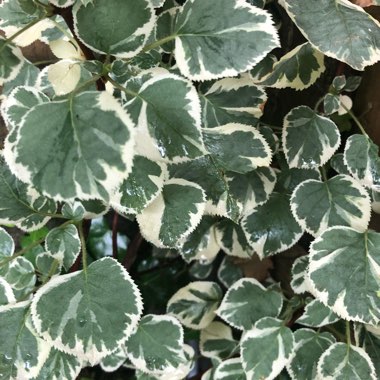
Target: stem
x,y
355,119
121,88
348,333
84,248
341,337
46,62
323,172
85,84
320,101
114,235
158,43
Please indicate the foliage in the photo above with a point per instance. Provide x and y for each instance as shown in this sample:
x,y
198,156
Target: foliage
x,y
152,109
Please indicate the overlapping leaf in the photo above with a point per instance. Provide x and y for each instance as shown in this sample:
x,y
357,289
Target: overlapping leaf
x,y
299,279
11,61
231,369
316,314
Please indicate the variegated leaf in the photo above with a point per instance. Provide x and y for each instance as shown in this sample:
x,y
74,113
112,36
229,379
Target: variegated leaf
x,y
64,76
7,245
299,282
231,369
316,314
337,163
6,293
229,272
11,61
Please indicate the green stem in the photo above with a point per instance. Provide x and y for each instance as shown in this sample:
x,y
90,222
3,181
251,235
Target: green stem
x,y
122,88
67,34
348,333
355,119
336,333
85,84
320,101
324,175
84,248
46,62
158,43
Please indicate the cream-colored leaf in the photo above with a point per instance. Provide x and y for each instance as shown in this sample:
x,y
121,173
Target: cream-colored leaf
x,y
64,76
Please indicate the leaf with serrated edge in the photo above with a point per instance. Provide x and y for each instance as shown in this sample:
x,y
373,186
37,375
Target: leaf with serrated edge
x,y
237,147
309,140
316,314
344,273
124,39
342,361
354,36
6,293
245,34
231,369
87,329
299,282
340,201
195,304
228,272
309,346
11,62
165,223
337,163
157,344
69,124
271,228
216,341
298,69
247,301
266,349
7,245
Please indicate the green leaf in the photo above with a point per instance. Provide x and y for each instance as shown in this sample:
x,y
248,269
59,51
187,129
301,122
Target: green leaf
x,y
342,361
7,245
18,13
167,113
331,104
299,282
84,322
298,69
195,304
229,272
266,349
157,344
316,314
309,139
47,266
115,360
361,156
247,301
142,186
101,26
64,245
371,344
344,273
216,341
227,40
231,100
353,37
6,293
231,369
271,228
174,214
337,163
340,201
309,346
11,61
87,141
237,147
200,270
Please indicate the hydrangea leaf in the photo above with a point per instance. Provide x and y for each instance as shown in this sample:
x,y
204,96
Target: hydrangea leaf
x,y
340,201
231,100
7,245
11,61
84,323
64,244
232,240
309,346
309,140
227,40
361,156
299,282
231,369
216,341
247,301
174,214
298,69
344,273
316,314
237,147
157,344
353,38
271,228
142,186
201,244
337,163
342,361
18,103
167,112
77,145
229,272
195,304
6,293
266,349
101,26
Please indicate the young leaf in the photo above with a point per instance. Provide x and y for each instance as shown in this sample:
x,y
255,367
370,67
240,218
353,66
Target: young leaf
x,y
7,245
337,163
299,282
6,293
195,304
64,76
174,214
64,245
354,36
316,314
11,61
266,349
84,323
157,344
344,273
331,104
231,100
271,228
229,272
87,141
216,341
342,361
309,139
309,346
101,25
231,369
47,266
298,69
245,34
247,301
237,147
340,201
